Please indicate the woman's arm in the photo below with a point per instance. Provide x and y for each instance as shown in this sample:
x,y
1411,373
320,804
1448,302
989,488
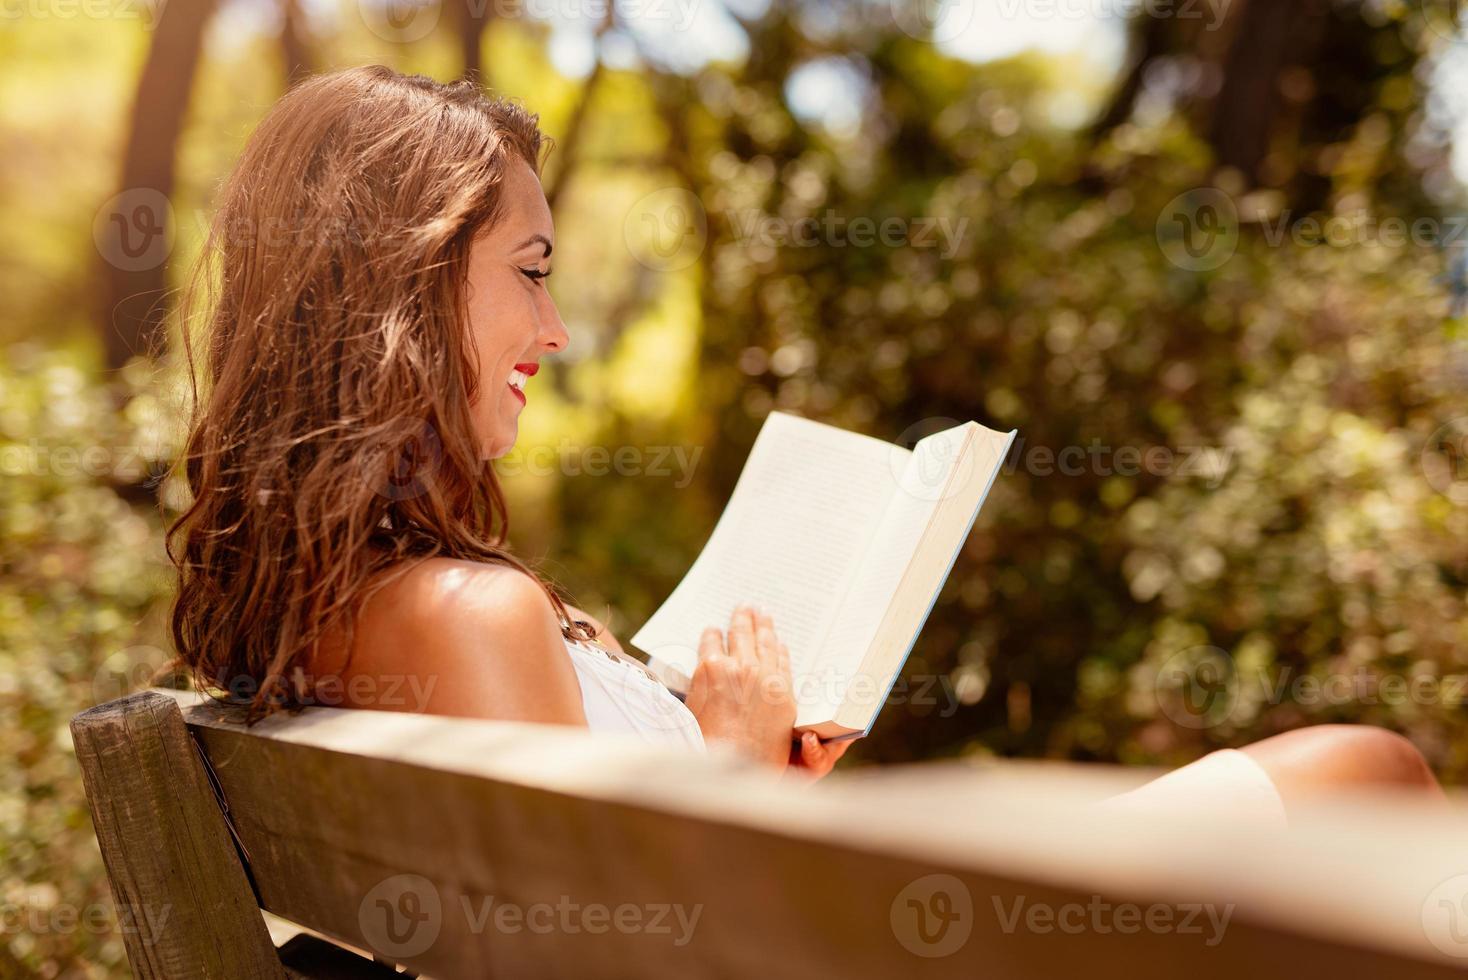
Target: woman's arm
x,y
471,640
810,758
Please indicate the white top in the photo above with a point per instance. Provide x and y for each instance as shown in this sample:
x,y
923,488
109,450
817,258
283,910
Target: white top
x,y
619,694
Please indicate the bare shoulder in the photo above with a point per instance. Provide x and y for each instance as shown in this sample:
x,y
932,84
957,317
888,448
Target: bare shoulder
x,y
448,592
479,640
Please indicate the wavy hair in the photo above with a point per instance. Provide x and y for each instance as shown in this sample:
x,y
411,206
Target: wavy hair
x,y
330,443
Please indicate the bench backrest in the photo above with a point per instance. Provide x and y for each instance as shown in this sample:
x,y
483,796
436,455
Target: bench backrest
x,y
475,849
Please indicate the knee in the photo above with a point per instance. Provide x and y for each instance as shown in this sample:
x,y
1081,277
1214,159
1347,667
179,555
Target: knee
x,y
1357,754
1385,755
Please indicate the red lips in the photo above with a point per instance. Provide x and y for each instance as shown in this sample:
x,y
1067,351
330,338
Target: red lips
x,y
527,369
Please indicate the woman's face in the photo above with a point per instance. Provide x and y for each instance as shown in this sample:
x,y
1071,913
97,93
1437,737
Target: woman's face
x,y
512,318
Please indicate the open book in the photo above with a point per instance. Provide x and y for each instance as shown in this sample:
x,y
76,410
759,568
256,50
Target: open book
x,y
845,541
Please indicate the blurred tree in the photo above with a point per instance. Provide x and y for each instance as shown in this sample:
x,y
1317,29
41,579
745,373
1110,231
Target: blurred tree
x,y
132,307
1277,87
470,20
1055,308
569,145
295,43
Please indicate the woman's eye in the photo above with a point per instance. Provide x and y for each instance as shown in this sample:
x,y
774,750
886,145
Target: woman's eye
x,y
534,275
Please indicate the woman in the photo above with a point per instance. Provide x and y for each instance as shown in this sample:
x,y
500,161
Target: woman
x,y
380,257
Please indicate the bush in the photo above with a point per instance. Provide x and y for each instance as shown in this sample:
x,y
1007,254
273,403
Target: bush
x,y
80,603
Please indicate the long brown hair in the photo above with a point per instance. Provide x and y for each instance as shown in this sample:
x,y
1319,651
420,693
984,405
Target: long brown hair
x,y
330,444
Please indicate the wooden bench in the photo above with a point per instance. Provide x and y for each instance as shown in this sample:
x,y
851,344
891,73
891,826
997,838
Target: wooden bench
x,y
474,849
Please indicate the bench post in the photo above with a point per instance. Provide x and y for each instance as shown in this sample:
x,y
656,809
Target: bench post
x,y
184,903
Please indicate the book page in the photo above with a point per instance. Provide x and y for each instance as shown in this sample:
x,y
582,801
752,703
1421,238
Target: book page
x,y
792,536
978,463
921,486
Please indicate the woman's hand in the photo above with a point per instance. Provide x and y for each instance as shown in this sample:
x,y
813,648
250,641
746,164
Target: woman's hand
x,y
741,692
812,758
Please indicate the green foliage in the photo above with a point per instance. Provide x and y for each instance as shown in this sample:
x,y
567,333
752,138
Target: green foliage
x,y
82,589
1079,332
1318,544
1289,521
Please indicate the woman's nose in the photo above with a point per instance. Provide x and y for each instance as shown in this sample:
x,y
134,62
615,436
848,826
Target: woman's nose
x,y
553,334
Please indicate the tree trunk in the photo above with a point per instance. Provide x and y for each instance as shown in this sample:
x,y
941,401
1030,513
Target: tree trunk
x,y
1272,36
471,18
1151,39
134,231
295,47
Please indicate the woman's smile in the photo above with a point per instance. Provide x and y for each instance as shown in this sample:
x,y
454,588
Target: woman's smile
x,y
518,376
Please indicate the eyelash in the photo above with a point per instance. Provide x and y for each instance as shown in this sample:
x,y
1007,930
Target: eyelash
x,y
535,275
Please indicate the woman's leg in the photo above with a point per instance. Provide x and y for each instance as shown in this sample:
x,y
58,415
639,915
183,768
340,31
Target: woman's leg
x,y
1310,761
1260,784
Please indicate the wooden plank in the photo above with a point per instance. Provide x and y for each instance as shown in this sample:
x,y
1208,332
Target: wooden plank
x,y
183,900
473,849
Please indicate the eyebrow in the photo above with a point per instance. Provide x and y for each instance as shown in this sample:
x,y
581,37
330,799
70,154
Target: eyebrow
x,y
537,238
